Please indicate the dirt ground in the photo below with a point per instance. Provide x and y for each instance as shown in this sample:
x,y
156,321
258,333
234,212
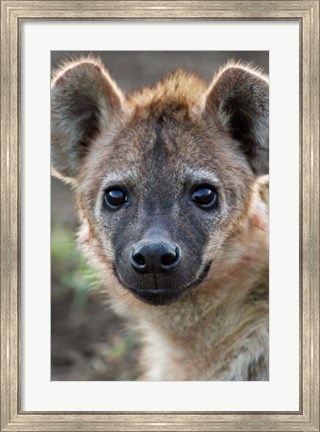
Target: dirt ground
x,y
89,342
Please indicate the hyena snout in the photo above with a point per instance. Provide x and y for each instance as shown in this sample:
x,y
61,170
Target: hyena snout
x,y
155,257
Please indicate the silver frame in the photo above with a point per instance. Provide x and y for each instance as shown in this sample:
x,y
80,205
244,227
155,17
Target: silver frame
x,y
307,14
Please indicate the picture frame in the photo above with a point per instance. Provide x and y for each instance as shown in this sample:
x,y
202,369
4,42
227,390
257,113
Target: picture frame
x,y
12,14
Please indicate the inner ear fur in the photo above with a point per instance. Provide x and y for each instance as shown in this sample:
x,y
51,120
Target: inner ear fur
x,y
238,98
83,100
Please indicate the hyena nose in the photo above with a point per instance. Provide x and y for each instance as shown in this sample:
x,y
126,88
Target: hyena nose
x,y
155,258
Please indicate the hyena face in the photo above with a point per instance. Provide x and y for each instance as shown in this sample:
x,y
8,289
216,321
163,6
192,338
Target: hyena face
x,y
163,178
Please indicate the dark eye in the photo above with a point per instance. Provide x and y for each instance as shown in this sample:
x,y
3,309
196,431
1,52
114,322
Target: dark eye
x,y
205,197
115,198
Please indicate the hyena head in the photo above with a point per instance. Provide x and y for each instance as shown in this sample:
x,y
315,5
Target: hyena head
x,y
163,177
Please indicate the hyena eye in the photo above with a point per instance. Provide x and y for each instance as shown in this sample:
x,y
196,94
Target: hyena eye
x,y
115,198
205,197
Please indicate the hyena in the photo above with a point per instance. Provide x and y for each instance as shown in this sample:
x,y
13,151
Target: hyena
x,y
172,190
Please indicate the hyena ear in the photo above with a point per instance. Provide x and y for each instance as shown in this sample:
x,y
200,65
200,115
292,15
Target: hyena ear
x,y
239,99
83,101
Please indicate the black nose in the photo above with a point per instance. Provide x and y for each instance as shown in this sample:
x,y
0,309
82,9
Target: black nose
x,y
158,257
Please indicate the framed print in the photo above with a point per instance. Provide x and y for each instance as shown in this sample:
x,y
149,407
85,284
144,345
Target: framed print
x,y
52,382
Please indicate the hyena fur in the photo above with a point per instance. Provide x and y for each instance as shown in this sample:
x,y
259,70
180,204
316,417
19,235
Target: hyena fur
x,y
171,184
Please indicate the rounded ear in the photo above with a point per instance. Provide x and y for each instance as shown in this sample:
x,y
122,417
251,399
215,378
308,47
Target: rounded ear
x,y
239,100
83,101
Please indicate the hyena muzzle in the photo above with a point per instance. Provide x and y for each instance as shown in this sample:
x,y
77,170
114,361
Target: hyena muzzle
x,y
172,191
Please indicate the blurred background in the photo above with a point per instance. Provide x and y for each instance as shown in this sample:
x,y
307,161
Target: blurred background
x,y
88,341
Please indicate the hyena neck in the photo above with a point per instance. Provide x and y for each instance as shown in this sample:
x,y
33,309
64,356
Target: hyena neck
x,y
210,339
